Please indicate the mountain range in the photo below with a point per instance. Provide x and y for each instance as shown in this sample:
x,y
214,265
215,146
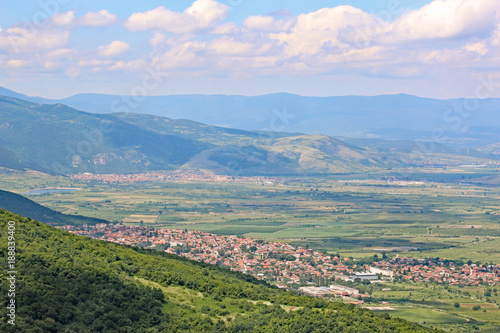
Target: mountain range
x,y
466,122
59,139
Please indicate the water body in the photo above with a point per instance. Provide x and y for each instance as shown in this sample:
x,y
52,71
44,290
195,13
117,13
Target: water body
x,y
49,191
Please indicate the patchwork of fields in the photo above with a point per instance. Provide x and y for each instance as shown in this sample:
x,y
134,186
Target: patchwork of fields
x,y
355,216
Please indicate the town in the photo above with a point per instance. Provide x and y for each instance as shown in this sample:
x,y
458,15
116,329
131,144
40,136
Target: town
x,y
179,175
291,267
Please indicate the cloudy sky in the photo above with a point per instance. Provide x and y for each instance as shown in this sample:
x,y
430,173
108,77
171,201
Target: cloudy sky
x,y
440,48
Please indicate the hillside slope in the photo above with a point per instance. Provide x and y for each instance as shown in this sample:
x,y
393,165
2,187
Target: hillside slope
x,y
20,205
59,139
71,283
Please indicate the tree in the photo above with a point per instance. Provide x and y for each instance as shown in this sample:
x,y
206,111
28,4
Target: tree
x,y
476,307
457,305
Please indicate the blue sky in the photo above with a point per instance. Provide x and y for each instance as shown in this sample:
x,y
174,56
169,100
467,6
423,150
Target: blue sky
x,y
439,48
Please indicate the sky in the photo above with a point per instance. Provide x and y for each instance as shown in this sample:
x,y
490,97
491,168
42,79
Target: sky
x,y
438,49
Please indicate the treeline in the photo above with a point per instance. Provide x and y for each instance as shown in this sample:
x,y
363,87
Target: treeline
x,y
68,283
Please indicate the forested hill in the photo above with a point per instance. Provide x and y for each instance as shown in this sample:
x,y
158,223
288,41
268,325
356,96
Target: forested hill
x,y
68,283
18,204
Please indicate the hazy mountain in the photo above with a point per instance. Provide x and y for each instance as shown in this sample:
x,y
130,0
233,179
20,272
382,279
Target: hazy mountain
x,y
59,139
11,93
388,147
403,117
493,149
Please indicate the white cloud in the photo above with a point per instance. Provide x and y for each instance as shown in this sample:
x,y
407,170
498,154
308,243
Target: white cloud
x,y
94,63
23,40
267,24
185,56
62,19
100,18
446,36
323,30
14,63
479,47
61,54
226,29
201,15
115,48
445,19
158,39
228,46
137,65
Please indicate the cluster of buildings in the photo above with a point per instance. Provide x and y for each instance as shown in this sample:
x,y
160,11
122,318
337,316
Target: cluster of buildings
x,y
442,271
176,175
286,265
350,295
271,261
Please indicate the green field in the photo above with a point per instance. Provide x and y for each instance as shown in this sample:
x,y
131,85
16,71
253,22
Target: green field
x,y
354,215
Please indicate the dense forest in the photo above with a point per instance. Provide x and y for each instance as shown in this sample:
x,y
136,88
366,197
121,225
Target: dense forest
x,y
68,283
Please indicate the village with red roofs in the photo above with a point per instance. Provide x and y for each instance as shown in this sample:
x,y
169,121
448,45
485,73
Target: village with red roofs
x,y
292,267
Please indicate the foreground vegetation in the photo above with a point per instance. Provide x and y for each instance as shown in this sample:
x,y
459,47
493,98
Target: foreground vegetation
x,y
66,282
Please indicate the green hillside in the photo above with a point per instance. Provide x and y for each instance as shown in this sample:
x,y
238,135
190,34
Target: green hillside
x,y
9,160
59,139
68,283
18,204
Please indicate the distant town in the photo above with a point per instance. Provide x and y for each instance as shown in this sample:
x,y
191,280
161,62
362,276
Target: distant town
x,y
291,267
179,175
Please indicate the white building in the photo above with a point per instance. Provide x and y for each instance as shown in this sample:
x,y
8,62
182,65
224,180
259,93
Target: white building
x,y
384,272
364,276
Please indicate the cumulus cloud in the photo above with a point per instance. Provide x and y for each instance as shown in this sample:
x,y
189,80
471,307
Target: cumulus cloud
x,y
62,19
201,15
445,19
267,24
225,29
137,65
445,36
24,40
185,56
229,46
92,19
61,54
100,18
115,48
324,30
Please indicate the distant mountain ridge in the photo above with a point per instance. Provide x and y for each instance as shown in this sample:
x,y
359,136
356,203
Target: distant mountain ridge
x,y
57,139
398,117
